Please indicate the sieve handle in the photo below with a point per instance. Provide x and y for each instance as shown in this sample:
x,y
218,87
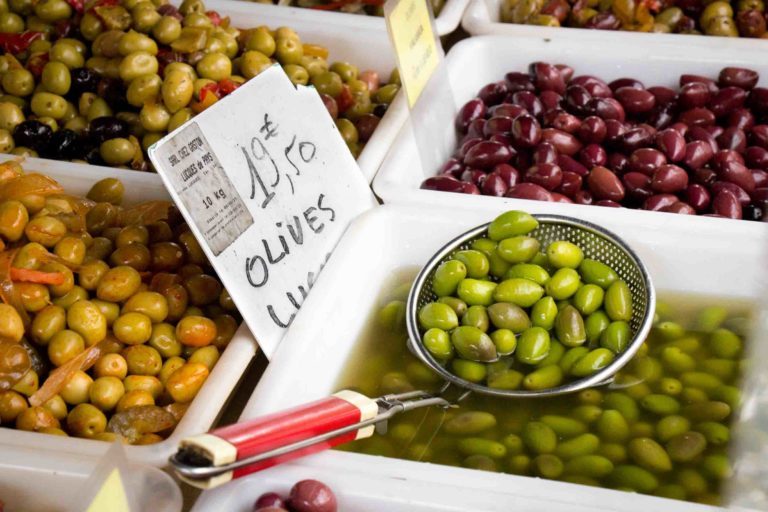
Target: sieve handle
x,y
244,448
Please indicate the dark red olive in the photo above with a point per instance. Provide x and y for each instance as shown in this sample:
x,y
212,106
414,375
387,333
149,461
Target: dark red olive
x,y
494,185
330,105
672,144
568,164
560,198
761,178
529,191
604,184
614,131
608,203
522,160
661,116
646,160
755,156
476,128
270,499
312,496
637,186
704,176
618,162
698,197
711,84
566,122
701,133
669,179
452,167
758,135
699,116
738,174
659,201
725,204
713,130
726,100
625,82
697,153
635,101
529,101
558,9
443,184
738,77
469,188
545,153
741,118
760,197
475,176
663,95
546,77
493,93
550,100
565,143
680,128
473,109
583,197
723,156
679,207
577,100
593,155
693,95
466,145
733,138
507,110
592,130
751,23
548,176
758,100
504,139
741,196
509,174
607,108
603,21
526,131
366,125
637,137
518,82
594,86
497,124
570,184
566,71
487,154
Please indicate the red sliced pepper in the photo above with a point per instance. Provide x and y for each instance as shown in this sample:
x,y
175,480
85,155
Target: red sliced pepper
x,y
215,17
227,86
209,94
17,43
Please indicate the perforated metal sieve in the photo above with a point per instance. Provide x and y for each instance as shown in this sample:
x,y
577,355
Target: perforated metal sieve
x,y
597,244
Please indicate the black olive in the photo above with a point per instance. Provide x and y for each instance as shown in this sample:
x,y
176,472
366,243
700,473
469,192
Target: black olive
x,y
32,134
83,80
752,212
93,157
113,92
380,109
65,144
105,128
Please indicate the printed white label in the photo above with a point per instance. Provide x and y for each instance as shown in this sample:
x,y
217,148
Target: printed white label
x,y
273,198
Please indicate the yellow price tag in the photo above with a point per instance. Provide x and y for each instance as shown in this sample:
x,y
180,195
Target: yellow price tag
x,y
410,29
111,497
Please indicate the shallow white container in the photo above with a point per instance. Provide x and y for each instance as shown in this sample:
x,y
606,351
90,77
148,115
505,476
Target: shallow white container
x,y
483,17
213,396
314,352
474,62
33,480
358,39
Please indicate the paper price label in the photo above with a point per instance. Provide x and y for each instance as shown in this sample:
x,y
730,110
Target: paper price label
x,y
409,23
267,184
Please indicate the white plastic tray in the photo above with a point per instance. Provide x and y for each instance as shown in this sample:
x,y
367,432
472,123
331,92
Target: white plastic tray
x,y
726,260
474,62
482,17
360,40
208,404
33,480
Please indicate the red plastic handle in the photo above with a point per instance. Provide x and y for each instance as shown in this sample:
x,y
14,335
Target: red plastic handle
x,y
300,423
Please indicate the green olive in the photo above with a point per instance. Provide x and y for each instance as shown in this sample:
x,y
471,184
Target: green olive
x,y
177,90
18,82
117,151
11,23
76,388
111,365
86,420
215,66
154,117
142,360
46,323
143,89
48,104
167,30
132,328
288,51
10,116
106,392
137,64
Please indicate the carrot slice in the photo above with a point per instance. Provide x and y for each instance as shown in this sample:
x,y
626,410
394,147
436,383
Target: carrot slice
x,y
25,275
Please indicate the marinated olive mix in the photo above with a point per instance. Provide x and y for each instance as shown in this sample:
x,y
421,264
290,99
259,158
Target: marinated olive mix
x,y
112,316
742,18
103,82
511,314
663,427
305,496
549,135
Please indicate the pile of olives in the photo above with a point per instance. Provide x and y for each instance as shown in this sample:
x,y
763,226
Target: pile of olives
x,y
370,7
742,18
137,302
104,82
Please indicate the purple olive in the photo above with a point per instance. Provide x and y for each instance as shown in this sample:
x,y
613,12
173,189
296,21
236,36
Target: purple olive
x,y
507,110
566,122
733,138
669,179
635,101
494,185
493,93
726,100
548,176
637,137
711,84
698,116
558,9
614,131
741,118
693,95
529,101
593,155
497,124
565,143
570,184
704,176
312,496
741,196
722,157
672,144
604,184
546,77
518,82
487,154
637,186
577,100
661,116
529,191
618,162
509,174
625,82
725,204
755,156
697,153
680,128
738,77
607,108
545,153
270,499
594,86
738,174
701,133
526,131
592,130
646,160
473,109
550,100
568,164
698,197
663,95
659,201
443,184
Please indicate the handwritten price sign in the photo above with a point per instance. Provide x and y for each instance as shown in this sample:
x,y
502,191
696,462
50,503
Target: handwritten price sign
x,y
265,180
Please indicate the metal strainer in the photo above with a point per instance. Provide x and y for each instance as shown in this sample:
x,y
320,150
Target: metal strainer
x,y
597,244
233,451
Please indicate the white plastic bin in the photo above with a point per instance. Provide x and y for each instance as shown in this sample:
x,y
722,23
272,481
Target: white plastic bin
x,y
213,396
483,17
33,480
726,261
474,62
